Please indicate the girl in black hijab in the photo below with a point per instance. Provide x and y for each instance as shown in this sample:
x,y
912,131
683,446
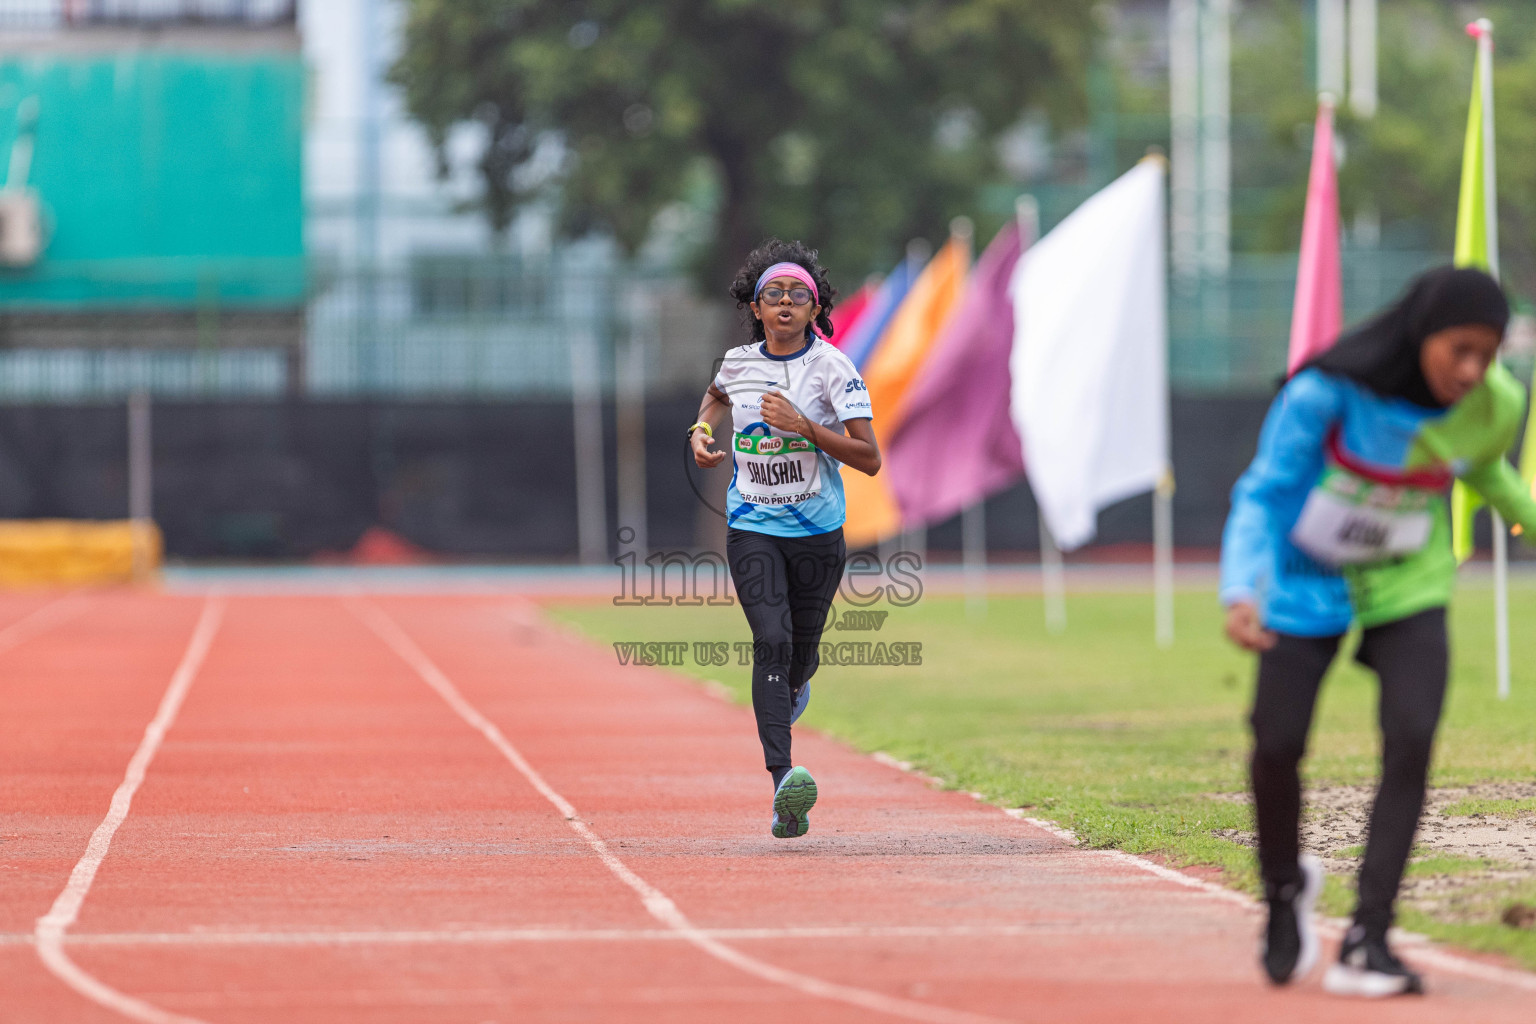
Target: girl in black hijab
x,y
1384,354
1343,516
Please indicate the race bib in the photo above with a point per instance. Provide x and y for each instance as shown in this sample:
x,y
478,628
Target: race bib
x,y
1349,520
776,470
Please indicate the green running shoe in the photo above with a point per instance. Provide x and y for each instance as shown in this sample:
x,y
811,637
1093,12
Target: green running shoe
x,y
792,803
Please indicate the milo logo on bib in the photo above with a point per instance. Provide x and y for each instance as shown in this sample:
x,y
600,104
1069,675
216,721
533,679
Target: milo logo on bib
x,y
764,444
776,470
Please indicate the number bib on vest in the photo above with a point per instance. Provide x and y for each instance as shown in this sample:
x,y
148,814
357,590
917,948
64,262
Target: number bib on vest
x,y
776,470
1349,520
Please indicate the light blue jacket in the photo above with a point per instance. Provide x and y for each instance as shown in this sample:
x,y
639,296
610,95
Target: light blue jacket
x,y
1295,593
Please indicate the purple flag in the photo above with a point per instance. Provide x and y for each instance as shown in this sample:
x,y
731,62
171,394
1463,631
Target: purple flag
x,y
957,443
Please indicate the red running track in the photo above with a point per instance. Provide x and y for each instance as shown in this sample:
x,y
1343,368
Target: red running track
x,y
359,812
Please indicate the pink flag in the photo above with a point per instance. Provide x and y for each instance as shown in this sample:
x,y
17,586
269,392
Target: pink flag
x,y
1318,315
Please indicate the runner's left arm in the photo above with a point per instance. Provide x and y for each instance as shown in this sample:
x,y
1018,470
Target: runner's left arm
x,y
849,397
1502,488
858,448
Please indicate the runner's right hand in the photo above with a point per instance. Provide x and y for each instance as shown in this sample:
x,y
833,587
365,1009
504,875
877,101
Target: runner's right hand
x,y
1245,629
705,458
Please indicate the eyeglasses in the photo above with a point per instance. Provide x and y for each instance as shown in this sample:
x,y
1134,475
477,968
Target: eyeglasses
x,y
799,296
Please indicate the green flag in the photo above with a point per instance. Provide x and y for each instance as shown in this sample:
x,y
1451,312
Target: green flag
x,y
1472,250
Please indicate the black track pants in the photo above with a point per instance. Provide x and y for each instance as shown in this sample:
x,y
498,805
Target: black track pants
x,y
1410,657
786,586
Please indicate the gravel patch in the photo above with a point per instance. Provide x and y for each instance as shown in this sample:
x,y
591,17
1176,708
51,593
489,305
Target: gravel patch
x,y
1334,827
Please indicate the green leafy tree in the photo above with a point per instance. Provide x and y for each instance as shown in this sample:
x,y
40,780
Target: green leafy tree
x,y
1404,163
854,124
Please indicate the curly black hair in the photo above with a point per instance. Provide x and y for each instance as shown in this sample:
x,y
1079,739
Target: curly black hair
x,y
766,255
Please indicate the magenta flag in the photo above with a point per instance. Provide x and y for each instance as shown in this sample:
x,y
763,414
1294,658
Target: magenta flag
x,y
957,442
1318,314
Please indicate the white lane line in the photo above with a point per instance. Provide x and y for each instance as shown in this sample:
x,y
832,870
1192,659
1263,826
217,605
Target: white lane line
x,y
506,1003
39,620
1429,956
657,903
1220,892
480,936
51,927
1418,946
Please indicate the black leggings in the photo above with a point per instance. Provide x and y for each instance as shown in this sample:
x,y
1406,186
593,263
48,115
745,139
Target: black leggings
x,y
1410,658
786,586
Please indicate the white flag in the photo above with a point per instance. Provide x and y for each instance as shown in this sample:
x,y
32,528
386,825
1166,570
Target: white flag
x,y
1090,362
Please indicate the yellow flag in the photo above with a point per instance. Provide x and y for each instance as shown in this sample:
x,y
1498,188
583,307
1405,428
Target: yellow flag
x,y
1472,250
892,368
1472,202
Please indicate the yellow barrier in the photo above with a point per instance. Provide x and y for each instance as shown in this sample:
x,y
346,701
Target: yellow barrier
x,y
40,551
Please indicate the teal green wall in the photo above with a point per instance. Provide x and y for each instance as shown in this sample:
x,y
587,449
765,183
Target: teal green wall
x,y
168,179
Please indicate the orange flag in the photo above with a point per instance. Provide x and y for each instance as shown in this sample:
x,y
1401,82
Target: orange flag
x,y
893,366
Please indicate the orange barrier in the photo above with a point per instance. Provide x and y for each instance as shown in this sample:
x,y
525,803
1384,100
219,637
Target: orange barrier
x,y
72,551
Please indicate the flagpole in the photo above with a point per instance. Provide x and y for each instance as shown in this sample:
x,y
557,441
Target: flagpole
x,y
915,538
1483,30
1162,512
1362,57
1162,557
973,518
973,538
1053,581
1053,578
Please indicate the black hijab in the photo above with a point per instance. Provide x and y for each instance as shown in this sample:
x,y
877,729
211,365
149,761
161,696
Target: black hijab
x,y
1383,353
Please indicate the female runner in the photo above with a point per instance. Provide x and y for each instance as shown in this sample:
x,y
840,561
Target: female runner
x,y
1343,512
790,396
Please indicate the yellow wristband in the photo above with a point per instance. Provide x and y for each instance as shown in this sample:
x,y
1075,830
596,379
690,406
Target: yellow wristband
x,y
701,425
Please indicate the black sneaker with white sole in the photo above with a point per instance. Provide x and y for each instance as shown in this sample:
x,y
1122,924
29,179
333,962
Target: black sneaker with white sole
x,y
1289,950
1368,968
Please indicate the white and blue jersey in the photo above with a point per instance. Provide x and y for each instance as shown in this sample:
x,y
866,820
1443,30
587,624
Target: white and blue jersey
x,y
781,485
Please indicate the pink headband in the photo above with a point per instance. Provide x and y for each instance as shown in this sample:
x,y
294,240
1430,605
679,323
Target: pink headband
x,y
793,270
